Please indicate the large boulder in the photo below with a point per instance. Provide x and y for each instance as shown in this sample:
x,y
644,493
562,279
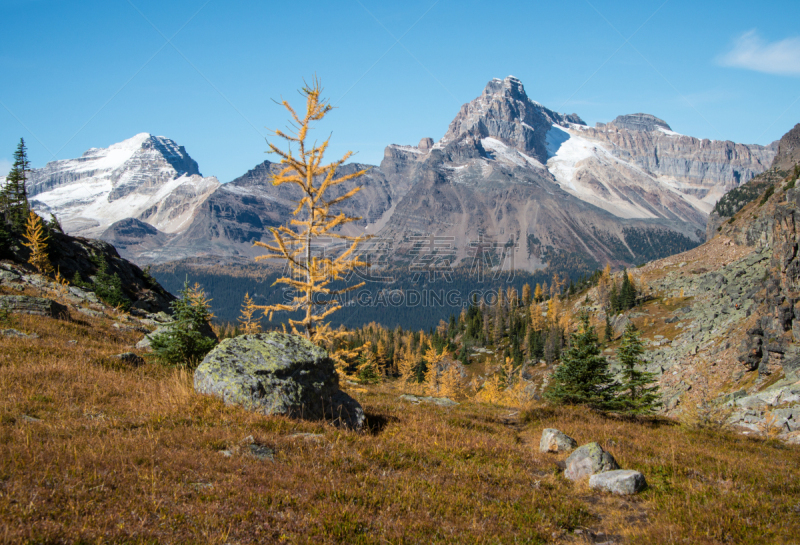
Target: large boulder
x,y
555,441
277,373
39,306
588,460
621,481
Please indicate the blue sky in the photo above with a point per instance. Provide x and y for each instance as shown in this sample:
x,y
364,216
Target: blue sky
x,y
204,72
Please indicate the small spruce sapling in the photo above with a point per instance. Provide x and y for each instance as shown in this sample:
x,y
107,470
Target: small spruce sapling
x,y
184,343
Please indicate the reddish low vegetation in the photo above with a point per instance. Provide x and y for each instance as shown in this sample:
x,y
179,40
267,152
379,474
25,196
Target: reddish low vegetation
x,y
93,451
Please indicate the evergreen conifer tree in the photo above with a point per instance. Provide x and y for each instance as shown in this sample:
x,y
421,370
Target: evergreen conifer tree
x,y
609,332
637,392
627,292
183,342
583,377
14,195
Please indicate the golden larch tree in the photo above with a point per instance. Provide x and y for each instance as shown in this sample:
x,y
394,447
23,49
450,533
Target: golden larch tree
x,y
36,238
246,320
312,272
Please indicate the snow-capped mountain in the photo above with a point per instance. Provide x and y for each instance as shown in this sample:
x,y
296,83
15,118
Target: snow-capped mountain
x,y
508,170
146,177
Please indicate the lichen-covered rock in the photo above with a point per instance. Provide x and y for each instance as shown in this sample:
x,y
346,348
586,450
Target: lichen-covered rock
x,y
556,441
620,481
276,373
39,306
587,460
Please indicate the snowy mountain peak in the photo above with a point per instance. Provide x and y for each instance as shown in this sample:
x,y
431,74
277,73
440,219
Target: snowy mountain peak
x,y
147,177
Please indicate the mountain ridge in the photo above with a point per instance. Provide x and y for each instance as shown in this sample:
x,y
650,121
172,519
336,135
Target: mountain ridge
x,y
508,168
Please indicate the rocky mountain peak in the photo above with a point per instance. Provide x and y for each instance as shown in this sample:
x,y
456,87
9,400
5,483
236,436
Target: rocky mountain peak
x,y
509,87
640,122
504,112
788,150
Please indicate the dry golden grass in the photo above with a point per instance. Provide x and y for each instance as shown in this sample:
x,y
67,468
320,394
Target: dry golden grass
x,y
132,456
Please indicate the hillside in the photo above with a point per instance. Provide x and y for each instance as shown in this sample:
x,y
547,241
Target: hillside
x,y
93,449
721,321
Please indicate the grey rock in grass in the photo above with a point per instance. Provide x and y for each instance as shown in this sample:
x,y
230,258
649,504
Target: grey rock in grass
x,y
441,401
555,441
18,334
130,358
39,306
588,460
277,374
621,481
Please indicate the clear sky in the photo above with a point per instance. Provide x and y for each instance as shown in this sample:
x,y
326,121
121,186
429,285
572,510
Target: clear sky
x,y
81,74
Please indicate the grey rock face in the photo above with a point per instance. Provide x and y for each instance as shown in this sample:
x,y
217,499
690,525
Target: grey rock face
x,y
39,306
588,460
621,481
555,441
640,122
276,373
425,144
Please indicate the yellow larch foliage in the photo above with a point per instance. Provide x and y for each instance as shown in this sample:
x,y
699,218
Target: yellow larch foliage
x,y
432,360
36,238
407,366
299,244
452,383
249,325
382,357
538,293
492,390
526,295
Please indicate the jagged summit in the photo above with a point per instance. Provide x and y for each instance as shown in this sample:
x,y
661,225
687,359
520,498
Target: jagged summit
x,y
510,86
640,122
788,150
504,112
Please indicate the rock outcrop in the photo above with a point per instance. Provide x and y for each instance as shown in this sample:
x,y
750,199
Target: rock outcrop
x,y
39,306
72,256
277,374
